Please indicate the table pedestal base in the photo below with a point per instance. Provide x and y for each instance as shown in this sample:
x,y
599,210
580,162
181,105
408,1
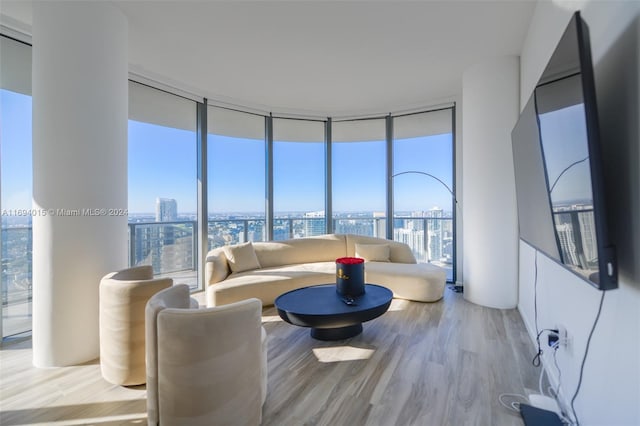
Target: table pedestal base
x,y
340,333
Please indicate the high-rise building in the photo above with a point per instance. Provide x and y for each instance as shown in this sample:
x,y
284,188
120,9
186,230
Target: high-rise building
x,y
168,248
435,245
412,238
435,232
314,223
380,225
567,243
166,210
588,233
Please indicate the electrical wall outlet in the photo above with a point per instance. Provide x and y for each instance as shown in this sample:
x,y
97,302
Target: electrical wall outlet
x,y
565,338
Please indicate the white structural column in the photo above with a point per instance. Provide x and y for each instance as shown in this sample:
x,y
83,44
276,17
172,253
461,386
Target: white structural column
x,y
490,109
79,172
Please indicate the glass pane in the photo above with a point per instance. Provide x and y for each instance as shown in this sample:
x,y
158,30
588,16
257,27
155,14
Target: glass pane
x,y
163,185
358,177
15,134
236,173
564,143
423,203
298,179
16,179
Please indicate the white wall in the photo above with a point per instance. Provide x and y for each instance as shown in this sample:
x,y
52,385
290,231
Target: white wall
x,y
490,97
610,392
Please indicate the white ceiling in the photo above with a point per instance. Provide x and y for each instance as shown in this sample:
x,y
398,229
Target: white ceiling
x,y
316,58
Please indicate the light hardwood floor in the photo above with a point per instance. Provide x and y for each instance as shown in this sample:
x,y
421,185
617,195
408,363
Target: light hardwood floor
x,y
441,363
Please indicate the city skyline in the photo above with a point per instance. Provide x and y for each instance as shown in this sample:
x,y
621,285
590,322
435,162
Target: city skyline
x,y
300,213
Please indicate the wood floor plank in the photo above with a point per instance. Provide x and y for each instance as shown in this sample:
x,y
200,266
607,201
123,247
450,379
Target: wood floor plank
x,y
442,363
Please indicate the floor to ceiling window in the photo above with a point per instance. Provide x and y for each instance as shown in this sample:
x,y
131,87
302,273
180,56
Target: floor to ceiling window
x,y
358,180
163,183
236,177
298,178
257,187
16,190
423,199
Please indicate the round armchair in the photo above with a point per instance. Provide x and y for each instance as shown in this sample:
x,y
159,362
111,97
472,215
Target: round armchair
x,y
204,366
123,298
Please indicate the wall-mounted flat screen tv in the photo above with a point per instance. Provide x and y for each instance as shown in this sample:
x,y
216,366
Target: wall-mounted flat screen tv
x,y
558,165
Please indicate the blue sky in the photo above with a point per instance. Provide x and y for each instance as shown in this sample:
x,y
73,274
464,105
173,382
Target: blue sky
x,y
564,141
162,163
15,143
433,155
358,173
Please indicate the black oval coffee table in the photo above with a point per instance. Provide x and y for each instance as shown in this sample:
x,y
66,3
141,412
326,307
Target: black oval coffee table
x,y
328,314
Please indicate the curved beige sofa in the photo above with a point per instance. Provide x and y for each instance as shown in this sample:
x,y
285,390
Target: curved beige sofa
x,y
265,270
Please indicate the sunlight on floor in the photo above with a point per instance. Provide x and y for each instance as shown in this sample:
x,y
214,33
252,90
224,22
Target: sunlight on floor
x,y
342,353
6,351
398,305
270,318
128,419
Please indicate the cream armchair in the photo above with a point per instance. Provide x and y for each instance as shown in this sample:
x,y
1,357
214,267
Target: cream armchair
x,y
204,366
123,298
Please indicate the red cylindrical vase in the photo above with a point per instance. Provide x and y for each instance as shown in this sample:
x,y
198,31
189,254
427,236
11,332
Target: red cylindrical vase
x,y
350,276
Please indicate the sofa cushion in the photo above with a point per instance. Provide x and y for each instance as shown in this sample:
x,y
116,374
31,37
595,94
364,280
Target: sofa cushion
x,y
398,252
373,252
322,248
242,257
